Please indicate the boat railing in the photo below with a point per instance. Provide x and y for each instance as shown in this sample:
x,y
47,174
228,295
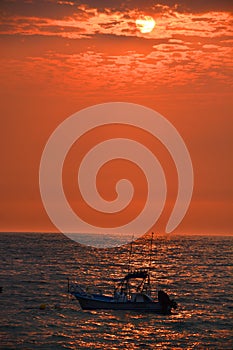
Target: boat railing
x,y
75,288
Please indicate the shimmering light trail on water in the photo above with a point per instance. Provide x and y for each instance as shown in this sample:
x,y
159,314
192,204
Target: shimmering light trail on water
x,y
196,271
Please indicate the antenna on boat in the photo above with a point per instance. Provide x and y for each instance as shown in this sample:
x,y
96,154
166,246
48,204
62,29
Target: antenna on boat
x,y
151,246
130,253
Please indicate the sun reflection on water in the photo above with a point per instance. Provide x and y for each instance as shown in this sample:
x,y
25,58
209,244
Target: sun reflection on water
x,y
196,272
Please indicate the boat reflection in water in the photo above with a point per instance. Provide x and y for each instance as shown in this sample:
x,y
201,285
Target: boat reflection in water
x,y
132,292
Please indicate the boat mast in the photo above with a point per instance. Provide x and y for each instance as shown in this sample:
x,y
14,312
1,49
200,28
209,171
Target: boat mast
x,y
151,247
130,254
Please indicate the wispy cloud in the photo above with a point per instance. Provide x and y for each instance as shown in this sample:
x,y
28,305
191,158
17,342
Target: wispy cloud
x,y
90,21
101,47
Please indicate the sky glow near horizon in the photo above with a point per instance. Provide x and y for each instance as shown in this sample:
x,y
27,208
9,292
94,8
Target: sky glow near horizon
x,y
58,57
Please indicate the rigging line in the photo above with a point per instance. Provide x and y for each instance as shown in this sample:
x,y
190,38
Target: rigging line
x,y
130,253
151,247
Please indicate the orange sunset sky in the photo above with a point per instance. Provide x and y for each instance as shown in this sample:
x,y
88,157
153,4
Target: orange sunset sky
x,y
58,57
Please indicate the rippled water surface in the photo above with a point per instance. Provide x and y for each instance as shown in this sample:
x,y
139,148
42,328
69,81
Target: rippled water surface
x,y
196,271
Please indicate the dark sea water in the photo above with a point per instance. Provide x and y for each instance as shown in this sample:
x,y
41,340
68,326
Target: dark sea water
x,y
196,271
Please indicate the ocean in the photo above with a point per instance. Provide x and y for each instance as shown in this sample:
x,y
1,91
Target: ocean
x,y
38,313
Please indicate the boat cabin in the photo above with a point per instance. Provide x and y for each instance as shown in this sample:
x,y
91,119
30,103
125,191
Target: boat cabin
x,y
134,287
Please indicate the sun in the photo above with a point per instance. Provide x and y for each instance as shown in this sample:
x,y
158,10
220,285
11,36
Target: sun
x,y
145,24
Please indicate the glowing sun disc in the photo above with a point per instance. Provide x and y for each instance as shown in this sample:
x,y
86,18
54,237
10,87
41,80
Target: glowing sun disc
x,y
145,24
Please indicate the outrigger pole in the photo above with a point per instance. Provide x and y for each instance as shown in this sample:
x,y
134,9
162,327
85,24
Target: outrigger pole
x,y
151,246
130,253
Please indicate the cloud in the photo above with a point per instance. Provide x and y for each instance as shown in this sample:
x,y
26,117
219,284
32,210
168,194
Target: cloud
x,y
99,47
146,5
168,65
90,21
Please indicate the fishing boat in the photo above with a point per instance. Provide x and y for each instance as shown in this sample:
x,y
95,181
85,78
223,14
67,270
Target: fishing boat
x,y
133,292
